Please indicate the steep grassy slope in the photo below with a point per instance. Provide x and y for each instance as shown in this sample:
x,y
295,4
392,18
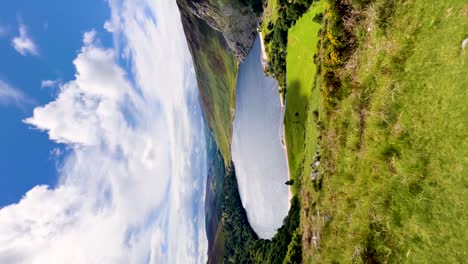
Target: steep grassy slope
x,y
394,138
300,75
216,69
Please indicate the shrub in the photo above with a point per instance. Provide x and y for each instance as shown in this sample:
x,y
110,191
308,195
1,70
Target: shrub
x,y
318,18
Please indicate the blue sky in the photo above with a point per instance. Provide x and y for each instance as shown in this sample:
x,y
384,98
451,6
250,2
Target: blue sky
x,y
110,87
56,27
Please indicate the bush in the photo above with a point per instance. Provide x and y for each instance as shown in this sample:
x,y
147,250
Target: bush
x,y
268,37
318,18
337,42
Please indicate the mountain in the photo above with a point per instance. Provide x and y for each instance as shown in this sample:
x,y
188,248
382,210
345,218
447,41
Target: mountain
x,y
219,35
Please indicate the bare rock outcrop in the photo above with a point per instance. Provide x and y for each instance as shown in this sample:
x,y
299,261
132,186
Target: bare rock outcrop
x,y
236,20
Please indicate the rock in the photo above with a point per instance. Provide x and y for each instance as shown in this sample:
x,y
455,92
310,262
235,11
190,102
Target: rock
x,y
314,175
464,43
237,22
315,238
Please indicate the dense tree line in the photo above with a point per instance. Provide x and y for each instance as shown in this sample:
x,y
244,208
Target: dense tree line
x,y
257,5
242,245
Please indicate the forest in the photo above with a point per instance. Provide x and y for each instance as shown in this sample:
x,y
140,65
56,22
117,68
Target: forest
x,y
242,245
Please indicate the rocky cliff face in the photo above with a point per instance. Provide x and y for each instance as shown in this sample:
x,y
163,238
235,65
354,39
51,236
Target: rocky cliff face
x,y
235,19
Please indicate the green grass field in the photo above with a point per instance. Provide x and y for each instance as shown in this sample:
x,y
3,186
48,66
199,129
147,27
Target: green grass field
x,y
300,70
394,149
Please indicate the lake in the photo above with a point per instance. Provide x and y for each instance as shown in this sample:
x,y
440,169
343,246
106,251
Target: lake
x,y
257,151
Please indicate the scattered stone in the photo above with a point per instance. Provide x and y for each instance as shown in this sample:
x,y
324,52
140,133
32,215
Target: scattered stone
x,y
316,156
314,175
317,163
315,238
465,43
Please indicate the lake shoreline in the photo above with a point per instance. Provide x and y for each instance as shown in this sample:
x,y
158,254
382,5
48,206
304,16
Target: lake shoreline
x,y
264,60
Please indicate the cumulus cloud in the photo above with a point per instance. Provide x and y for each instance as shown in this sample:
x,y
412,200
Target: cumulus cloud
x,y
109,26
86,103
23,43
88,37
132,187
11,95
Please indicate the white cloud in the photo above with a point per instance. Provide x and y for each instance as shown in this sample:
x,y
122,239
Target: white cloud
x,y
56,152
48,83
11,95
132,188
23,43
88,37
109,26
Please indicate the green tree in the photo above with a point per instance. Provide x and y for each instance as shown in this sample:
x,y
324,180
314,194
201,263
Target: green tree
x,y
294,254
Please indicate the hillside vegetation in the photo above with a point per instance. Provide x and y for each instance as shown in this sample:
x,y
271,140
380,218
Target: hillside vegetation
x,y
216,69
376,129
300,76
393,129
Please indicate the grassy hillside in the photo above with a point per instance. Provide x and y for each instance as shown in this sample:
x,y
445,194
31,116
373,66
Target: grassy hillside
x,y
393,124
216,69
300,75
